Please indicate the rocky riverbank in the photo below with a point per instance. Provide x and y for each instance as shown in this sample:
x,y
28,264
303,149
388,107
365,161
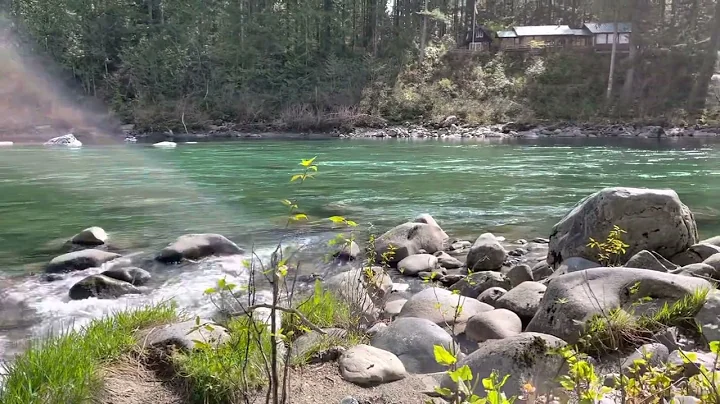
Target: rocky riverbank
x,y
505,304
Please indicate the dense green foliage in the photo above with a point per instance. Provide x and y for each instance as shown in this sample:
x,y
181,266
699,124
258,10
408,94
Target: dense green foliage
x,y
68,368
168,64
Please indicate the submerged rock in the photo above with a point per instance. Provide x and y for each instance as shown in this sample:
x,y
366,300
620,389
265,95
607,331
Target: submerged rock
x,y
198,246
79,260
90,236
654,220
67,140
132,275
102,287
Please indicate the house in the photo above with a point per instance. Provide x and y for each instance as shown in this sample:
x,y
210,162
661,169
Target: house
x,y
603,35
543,36
481,40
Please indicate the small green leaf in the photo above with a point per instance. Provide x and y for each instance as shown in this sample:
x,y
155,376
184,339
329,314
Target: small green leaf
x,y
488,383
715,347
210,328
287,202
443,391
308,162
221,283
210,291
197,320
299,216
297,177
337,219
461,374
351,223
443,357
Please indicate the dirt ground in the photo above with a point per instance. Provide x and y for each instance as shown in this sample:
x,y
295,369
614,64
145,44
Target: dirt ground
x,y
129,382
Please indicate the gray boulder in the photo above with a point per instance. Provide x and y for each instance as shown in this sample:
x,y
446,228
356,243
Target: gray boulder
x,y
102,287
349,252
460,245
713,261
183,335
90,236
409,239
541,271
393,308
650,260
495,324
413,341
448,261
695,254
79,260
519,274
708,318
198,246
366,365
655,353
572,299
654,220
486,254
414,264
712,241
441,307
132,275
574,264
476,283
492,295
523,357
523,300
699,270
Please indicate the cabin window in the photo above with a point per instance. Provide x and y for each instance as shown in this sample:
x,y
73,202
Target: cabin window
x,y
624,38
603,39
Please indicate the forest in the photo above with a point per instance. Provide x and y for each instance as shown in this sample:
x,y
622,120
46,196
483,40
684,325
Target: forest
x,y
167,64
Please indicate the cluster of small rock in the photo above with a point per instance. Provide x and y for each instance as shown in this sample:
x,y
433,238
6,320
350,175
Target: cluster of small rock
x,y
450,128
514,307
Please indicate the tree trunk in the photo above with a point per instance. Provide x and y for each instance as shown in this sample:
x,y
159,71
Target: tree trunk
x,y
608,94
698,94
423,34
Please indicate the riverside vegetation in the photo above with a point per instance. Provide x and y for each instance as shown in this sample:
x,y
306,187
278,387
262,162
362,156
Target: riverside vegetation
x,y
337,63
541,323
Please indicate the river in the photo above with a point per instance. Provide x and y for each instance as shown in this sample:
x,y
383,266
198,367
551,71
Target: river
x,y
146,197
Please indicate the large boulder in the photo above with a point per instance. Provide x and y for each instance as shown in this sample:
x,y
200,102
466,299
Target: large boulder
x,y
486,254
695,254
519,274
574,298
102,287
441,307
79,260
708,318
653,220
476,283
495,324
413,341
522,357
65,140
132,275
409,239
650,260
198,246
523,300
366,365
412,265
184,335
90,236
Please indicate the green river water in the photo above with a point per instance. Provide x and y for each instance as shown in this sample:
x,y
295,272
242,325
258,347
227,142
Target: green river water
x,y
146,197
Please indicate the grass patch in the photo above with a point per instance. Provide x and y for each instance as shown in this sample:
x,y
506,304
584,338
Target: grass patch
x,y
324,309
224,374
621,329
67,368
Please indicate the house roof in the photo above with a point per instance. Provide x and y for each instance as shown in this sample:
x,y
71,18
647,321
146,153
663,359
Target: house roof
x,y
506,34
607,27
547,30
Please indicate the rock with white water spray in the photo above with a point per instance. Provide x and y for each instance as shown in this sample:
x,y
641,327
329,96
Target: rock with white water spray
x,y
102,287
6,144
90,236
198,246
79,260
165,145
68,140
366,365
652,219
133,275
